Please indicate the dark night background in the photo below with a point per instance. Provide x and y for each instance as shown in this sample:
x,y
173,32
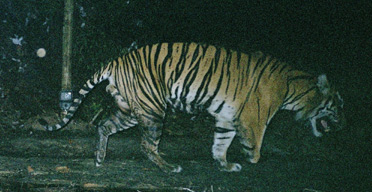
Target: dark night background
x,y
332,37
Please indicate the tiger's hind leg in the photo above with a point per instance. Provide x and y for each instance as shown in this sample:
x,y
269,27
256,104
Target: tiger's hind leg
x,y
117,122
120,120
223,136
151,132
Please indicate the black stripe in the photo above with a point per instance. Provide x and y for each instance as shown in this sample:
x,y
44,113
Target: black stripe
x,y
153,117
181,63
286,93
223,130
69,115
238,55
258,63
217,54
217,89
258,110
117,125
122,79
248,68
198,91
220,107
86,88
204,86
246,100
247,147
274,66
283,67
170,81
223,138
188,82
167,57
155,92
261,73
126,112
239,81
288,97
156,56
148,87
227,60
205,47
299,96
240,110
300,109
149,64
159,72
190,77
300,77
229,64
195,55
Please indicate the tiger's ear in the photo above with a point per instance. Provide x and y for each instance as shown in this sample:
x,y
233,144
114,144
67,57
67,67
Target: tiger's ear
x,y
323,84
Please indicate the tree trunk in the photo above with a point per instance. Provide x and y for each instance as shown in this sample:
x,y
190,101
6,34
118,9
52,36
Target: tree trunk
x,y
66,93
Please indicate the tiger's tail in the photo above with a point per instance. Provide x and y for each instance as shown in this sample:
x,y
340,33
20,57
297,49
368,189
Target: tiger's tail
x,y
97,78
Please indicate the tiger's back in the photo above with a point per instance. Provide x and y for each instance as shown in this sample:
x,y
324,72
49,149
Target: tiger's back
x,y
193,76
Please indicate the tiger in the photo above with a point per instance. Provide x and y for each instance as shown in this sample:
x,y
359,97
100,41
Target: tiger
x,y
241,91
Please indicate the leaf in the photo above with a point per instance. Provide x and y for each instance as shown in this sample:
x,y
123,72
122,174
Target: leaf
x,y
62,169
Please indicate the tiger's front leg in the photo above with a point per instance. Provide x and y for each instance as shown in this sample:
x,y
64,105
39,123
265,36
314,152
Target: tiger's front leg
x,y
253,124
251,140
222,140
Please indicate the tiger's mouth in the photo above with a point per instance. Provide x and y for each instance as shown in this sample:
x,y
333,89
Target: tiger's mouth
x,y
320,126
329,124
324,125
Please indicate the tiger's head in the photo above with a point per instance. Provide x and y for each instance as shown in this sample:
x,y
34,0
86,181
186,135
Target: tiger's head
x,y
324,109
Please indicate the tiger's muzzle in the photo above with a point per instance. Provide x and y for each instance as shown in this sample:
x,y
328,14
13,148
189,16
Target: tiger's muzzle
x,y
327,122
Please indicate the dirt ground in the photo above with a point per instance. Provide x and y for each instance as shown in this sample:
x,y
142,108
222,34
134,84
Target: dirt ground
x,y
292,160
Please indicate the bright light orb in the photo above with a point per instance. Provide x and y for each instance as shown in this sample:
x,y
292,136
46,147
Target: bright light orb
x,y
41,52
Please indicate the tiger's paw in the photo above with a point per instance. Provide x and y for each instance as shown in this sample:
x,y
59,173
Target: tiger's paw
x,y
254,159
176,169
98,164
169,168
231,167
